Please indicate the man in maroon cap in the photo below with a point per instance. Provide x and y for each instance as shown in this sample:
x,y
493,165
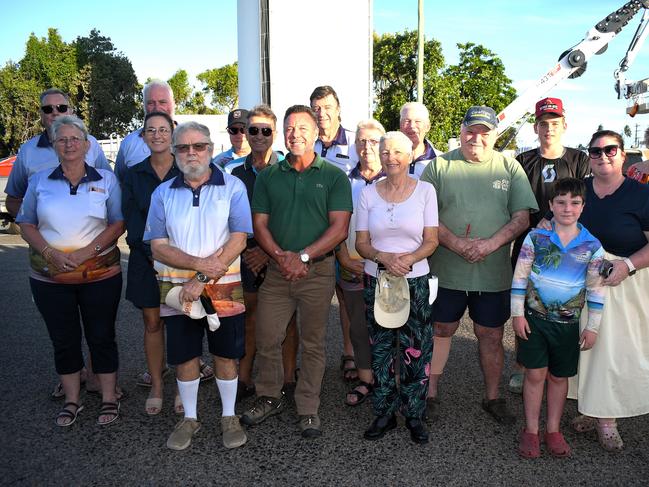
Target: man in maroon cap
x,y
236,128
544,165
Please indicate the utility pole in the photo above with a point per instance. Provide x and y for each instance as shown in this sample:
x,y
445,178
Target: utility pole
x,y
420,52
637,139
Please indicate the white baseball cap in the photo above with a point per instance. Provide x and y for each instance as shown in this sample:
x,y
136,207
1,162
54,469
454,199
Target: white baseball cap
x,y
193,309
391,300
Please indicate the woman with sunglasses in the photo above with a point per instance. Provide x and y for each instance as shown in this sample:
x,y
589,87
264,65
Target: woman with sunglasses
x,y
141,283
613,380
71,219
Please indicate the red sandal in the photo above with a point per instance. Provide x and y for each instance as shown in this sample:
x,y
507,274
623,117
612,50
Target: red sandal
x,y
556,444
529,445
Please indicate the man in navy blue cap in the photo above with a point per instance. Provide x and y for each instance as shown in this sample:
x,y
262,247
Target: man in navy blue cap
x,y
484,201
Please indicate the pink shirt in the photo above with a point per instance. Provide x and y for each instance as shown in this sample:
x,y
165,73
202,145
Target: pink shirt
x,y
397,227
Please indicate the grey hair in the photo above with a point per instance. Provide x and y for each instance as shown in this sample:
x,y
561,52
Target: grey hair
x,y
187,126
370,123
400,138
152,84
53,91
70,121
414,105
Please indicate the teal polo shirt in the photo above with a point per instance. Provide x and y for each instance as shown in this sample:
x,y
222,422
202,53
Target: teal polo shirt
x,y
298,203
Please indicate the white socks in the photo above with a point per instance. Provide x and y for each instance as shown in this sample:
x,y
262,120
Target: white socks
x,y
228,391
189,396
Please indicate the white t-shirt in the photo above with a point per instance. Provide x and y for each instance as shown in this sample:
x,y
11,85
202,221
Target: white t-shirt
x,y
397,227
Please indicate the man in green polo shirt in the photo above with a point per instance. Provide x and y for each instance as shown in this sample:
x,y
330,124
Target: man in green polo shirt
x,y
301,208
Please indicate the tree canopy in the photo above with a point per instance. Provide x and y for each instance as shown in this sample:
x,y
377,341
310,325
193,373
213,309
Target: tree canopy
x,y
478,79
101,83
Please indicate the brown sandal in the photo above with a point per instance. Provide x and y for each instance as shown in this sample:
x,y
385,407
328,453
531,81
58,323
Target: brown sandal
x,y
350,374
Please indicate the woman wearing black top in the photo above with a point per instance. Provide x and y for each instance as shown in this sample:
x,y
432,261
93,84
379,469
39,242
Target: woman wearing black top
x,y
142,286
613,380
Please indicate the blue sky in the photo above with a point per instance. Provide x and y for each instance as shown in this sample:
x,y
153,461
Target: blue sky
x,y
528,36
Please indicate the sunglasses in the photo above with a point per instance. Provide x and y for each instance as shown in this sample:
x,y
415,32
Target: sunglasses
x,y
50,108
608,150
265,131
198,147
236,130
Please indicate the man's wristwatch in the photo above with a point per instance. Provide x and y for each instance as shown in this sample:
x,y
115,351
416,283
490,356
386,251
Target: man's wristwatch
x,y
200,277
97,248
304,257
630,265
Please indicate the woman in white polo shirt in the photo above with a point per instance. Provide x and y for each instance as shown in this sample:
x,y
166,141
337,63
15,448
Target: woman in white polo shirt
x,y
71,218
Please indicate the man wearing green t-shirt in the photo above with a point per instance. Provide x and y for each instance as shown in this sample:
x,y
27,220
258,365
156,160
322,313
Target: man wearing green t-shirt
x,y
301,208
484,201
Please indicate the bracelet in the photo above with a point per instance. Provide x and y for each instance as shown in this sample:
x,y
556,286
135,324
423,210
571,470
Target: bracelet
x,y
47,253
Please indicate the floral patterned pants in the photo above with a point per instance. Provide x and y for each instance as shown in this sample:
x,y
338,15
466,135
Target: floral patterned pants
x,y
412,345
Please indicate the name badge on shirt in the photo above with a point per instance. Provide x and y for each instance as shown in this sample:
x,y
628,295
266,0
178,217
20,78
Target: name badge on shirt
x,y
97,190
342,156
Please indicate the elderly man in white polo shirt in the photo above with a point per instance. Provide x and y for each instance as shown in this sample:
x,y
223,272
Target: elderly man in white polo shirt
x,y
158,97
198,224
414,121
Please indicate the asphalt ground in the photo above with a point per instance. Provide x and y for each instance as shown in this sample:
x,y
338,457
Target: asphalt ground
x,y
467,447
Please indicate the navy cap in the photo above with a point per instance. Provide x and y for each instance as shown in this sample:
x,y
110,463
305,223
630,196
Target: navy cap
x,y
480,116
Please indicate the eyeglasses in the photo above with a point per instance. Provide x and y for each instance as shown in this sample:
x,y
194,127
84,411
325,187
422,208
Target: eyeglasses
x,y
265,131
162,131
68,140
236,130
370,142
50,108
198,147
608,150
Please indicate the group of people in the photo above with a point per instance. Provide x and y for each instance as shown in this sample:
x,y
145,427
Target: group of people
x,y
247,249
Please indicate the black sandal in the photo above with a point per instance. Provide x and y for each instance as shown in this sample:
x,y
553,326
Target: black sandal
x,y
360,397
350,374
66,413
108,409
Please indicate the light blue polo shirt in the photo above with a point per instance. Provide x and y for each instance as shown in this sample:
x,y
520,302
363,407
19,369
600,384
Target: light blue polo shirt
x,y
38,154
132,151
70,217
224,158
198,221
342,152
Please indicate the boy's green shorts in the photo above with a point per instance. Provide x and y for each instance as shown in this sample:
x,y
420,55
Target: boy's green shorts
x,y
550,344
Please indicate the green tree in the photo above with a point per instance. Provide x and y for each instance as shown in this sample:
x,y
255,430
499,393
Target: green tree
x,y
108,90
182,90
19,117
478,79
222,86
395,73
627,131
50,62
